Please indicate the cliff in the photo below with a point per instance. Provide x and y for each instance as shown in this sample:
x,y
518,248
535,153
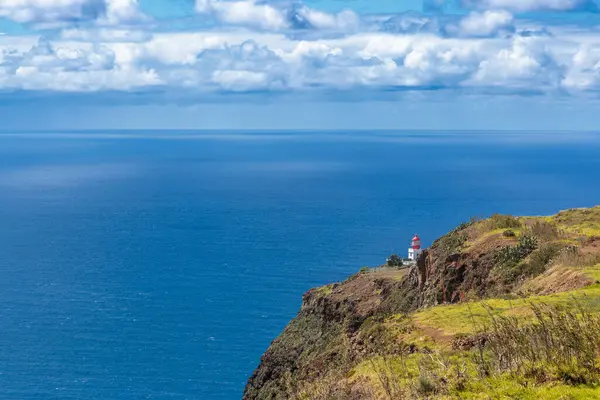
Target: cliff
x,y
432,330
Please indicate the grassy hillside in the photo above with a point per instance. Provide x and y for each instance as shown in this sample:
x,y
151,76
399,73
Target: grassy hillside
x,y
501,308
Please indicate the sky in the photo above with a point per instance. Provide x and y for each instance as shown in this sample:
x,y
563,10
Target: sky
x,y
292,64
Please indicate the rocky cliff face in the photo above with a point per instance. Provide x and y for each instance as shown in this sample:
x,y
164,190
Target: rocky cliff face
x,y
324,335
342,324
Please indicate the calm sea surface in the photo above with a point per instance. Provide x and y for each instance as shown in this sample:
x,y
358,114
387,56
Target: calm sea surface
x,y
160,265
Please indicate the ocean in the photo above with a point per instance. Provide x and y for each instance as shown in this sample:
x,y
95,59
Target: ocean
x,y
161,264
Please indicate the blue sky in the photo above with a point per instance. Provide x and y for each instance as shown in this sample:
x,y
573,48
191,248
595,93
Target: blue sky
x,y
291,64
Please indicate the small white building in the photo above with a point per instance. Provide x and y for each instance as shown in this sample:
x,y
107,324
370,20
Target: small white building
x,y
415,250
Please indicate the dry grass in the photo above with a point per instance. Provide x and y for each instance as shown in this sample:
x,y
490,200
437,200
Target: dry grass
x,y
556,344
556,280
544,230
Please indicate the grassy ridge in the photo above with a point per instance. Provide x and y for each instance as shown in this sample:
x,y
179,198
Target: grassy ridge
x,y
521,346
522,320
467,317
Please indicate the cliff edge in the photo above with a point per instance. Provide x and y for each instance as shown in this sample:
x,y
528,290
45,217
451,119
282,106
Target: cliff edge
x,y
435,330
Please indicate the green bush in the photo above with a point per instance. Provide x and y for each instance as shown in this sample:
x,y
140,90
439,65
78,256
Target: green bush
x,y
541,258
510,265
395,261
452,242
465,225
426,386
512,255
527,244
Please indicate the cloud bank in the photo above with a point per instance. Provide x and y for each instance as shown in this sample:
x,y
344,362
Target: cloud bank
x,y
518,6
249,46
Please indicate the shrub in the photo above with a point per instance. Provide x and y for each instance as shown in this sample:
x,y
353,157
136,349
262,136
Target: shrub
x,y
541,258
509,261
395,261
527,244
544,230
425,385
512,255
452,242
509,233
465,225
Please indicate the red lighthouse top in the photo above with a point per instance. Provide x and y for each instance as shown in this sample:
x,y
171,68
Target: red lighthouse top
x,y
416,242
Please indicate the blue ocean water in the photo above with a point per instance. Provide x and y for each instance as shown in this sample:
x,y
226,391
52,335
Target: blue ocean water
x,y
160,265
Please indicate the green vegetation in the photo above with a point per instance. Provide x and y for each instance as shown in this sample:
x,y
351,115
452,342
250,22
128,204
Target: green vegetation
x,y
557,343
582,222
394,261
465,317
452,242
509,233
325,290
555,354
504,308
509,256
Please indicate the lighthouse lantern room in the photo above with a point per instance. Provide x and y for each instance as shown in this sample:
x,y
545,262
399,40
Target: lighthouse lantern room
x,y
415,250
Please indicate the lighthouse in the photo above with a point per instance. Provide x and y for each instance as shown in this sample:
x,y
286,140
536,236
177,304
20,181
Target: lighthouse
x,y
415,250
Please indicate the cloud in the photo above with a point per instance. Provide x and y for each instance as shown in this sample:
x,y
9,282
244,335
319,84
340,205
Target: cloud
x,y
486,24
517,6
266,16
283,48
44,10
105,34
584,73
57,11
122,11
527,64
534,5
85,68
246,12
311,18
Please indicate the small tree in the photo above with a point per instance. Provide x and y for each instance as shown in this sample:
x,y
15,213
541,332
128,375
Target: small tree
x,y
394,261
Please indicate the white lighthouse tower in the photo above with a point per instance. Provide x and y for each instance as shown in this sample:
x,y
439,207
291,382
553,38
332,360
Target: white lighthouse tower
x,y
415,250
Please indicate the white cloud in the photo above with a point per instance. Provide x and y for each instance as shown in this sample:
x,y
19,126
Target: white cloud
x,y
344,20
257,14
208,62
245,12
47,10
105,35
64,68
585,70
486,24
122,11
533,5
527,64
54,11
299,49
241,81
